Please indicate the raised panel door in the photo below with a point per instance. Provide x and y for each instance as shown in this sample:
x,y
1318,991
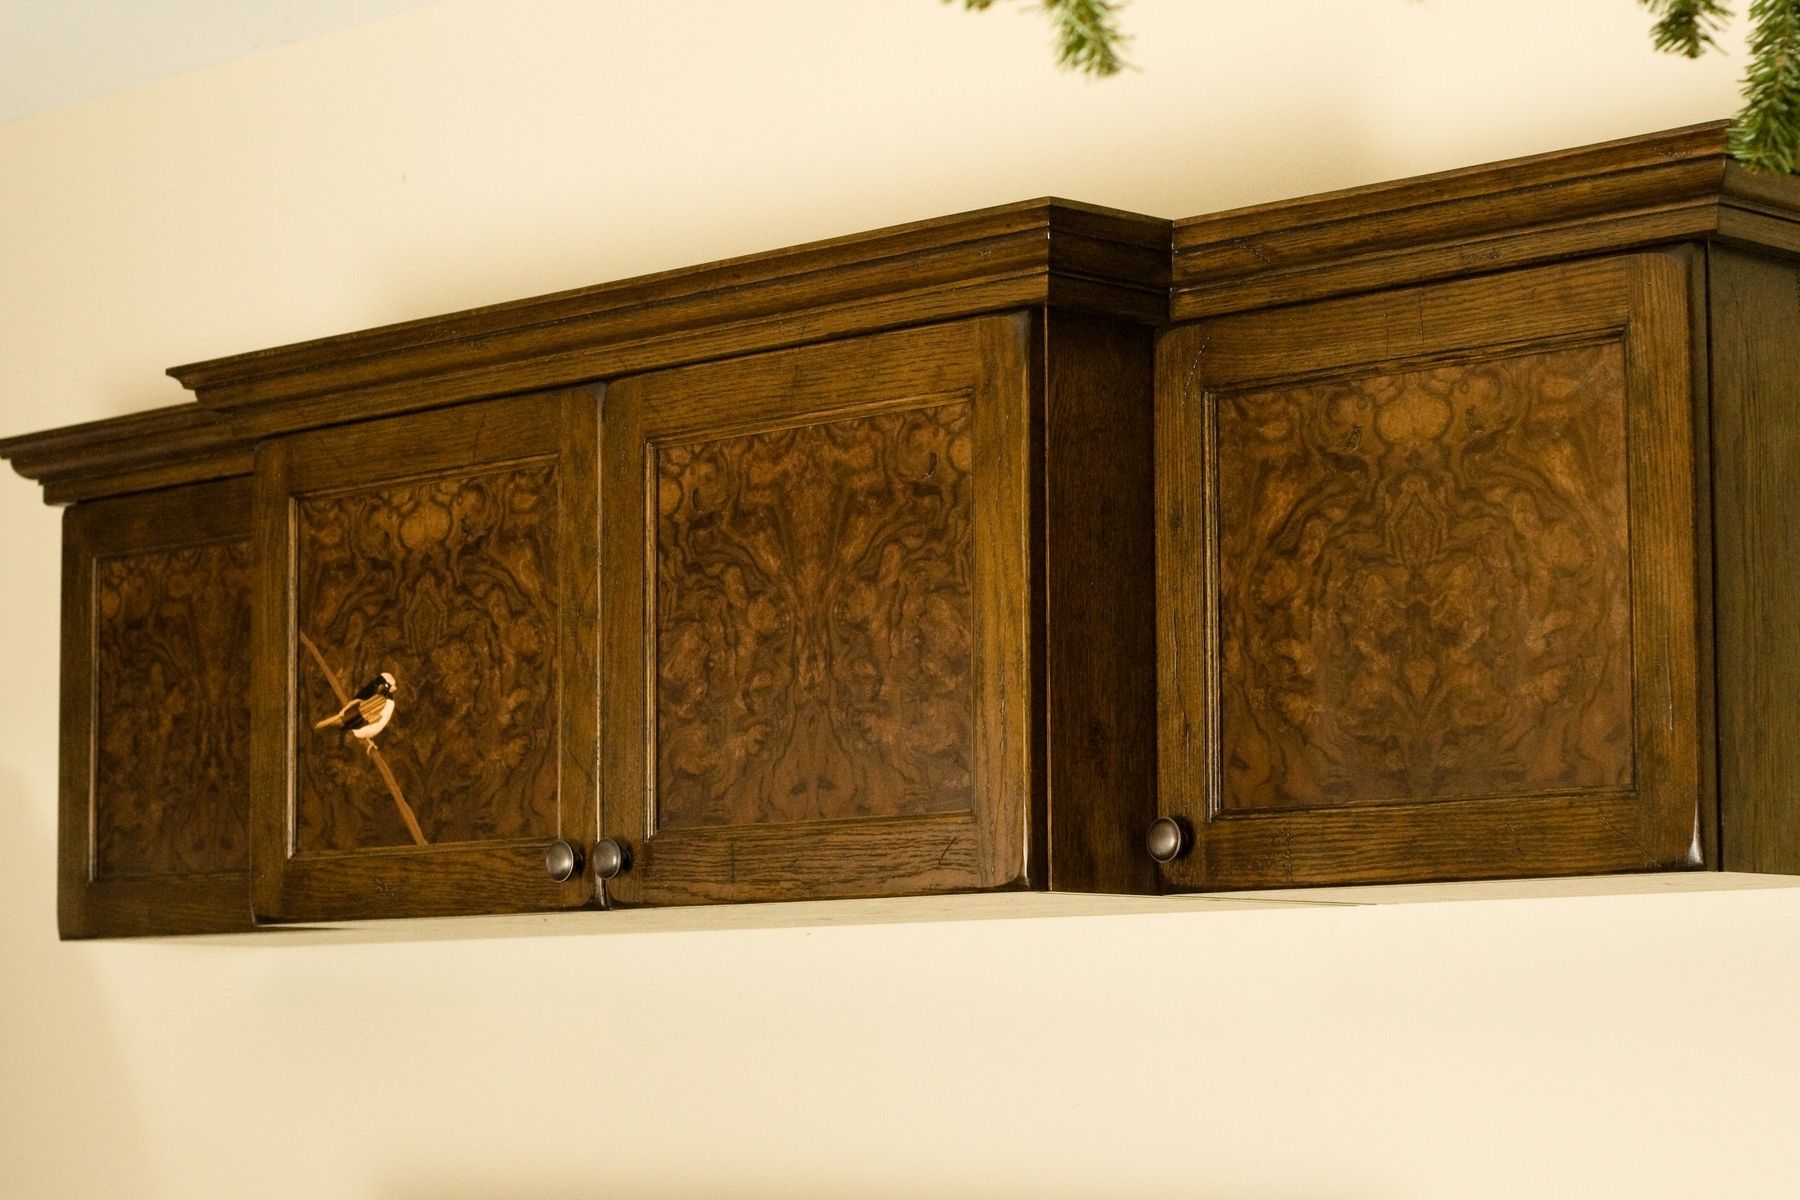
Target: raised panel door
x,y
1428,583
156,713
815,673
426,661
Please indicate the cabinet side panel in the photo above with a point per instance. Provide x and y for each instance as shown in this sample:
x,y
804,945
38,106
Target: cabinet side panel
x,y
74,824
1755,324
1101,619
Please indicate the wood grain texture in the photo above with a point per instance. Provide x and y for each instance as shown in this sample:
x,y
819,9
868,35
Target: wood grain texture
x,y
448,584
172,710
814,621
1323,493
891,572
1099,604
155,714
1424,583
453,549
1755,423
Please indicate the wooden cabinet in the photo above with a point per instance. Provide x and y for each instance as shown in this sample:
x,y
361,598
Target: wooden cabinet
x,y
447,558
154,829
1429,582
820,619
1439,529
1473,500
857,600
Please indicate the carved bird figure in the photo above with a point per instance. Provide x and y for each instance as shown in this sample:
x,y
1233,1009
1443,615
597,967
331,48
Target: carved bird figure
x,y
368,712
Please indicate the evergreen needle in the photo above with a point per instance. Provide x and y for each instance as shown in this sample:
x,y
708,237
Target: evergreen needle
x,y
1087,33
1766,135
1686,27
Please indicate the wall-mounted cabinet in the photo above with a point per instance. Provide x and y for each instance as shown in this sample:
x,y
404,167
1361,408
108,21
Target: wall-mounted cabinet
x,y
822,573
1434,530
1474,500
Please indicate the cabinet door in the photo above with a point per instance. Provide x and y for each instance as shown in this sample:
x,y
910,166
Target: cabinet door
x,y
1427,583
815,675
156,713
453,552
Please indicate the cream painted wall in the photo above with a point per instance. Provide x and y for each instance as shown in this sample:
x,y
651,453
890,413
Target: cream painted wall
x,y
482,150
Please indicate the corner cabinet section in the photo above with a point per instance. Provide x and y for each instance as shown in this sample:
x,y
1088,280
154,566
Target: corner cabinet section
x,y
1427,574
156,713
816,624
424,674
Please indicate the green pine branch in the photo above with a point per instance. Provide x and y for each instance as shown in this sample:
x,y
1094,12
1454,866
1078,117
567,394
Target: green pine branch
x,y
1088,38
1766,134
1686,27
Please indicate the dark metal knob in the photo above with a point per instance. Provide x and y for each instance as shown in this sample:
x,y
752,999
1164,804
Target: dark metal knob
x,y
611,859
562,861
1167,839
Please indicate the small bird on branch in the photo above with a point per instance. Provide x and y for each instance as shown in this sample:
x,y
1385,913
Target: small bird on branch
x,y
366,713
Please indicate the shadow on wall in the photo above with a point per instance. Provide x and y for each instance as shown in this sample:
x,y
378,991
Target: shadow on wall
x,y
70,1124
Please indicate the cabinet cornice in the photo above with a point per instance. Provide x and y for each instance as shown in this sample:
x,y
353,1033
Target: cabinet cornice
x,y
1070,256
1677,185
139,452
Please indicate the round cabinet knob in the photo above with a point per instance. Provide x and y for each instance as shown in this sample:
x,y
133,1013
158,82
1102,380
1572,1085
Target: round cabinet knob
x,y
611,858
562,861
1167,840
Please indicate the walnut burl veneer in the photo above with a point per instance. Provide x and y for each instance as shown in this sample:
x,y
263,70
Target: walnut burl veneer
x,y
1424,582
171,652
448,583
814,618
1439,529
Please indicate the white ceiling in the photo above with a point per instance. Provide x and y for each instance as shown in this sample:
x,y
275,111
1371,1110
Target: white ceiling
x,y
57,52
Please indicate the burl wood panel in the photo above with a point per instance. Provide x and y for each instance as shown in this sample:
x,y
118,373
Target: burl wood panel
x,y
814,621
172,711
449,584
855,518
1424,583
